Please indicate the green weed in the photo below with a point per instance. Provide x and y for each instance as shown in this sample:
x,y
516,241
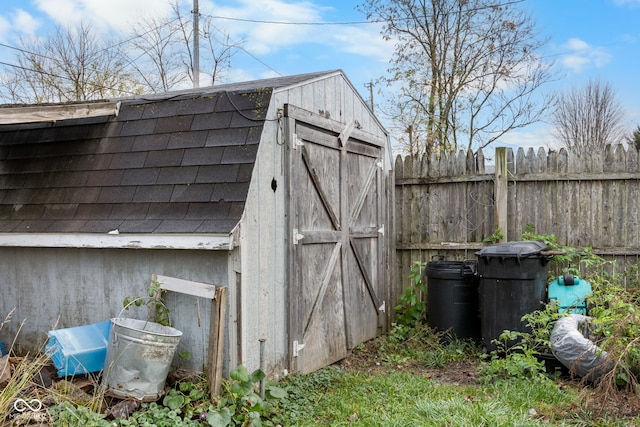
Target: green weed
x,y
158,311
411,308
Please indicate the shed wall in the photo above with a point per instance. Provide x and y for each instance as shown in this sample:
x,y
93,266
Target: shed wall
x,y
73,287
264,227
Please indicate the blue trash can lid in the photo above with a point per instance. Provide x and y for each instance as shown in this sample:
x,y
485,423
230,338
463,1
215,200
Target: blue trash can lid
x,y
513,249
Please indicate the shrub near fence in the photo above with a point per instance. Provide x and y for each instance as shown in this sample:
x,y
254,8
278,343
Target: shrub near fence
x,y
448,205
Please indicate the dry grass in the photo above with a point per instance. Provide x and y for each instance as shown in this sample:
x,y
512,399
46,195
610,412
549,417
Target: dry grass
x,y
23,383
23,371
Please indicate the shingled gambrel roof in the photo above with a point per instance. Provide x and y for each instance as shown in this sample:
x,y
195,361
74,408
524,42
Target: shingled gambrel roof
x,y
179,162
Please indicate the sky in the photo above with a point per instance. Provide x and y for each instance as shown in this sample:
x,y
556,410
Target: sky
x,y
587,39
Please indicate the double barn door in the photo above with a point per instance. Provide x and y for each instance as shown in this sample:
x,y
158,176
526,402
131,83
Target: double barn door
x,y
336,186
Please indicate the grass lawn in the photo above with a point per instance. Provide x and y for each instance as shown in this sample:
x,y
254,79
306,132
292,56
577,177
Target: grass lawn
x,y
385,384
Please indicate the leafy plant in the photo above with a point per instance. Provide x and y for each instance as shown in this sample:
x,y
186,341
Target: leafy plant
x,y
66,414
158,311
240,405
412,308
616,318
154,415
567,259
191,399
540,324
614,307
494,237
455,350
305,391
512,359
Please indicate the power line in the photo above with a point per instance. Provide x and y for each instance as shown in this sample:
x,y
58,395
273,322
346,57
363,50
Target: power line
x,y
239,46
28,52
372,21
259,21
260,61
236,43
31,70
139,36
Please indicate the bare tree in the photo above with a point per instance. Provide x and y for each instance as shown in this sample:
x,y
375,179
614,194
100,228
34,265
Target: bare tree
x,y
71,65
634,139
589,117
156,55
220,51
468,68
162,51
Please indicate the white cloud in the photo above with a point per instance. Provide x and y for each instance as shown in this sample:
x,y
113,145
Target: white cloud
x,y
239,75
5,27
62,12
18,22
25,23
263,38
632,3
364,41
103,16
533,136
582,55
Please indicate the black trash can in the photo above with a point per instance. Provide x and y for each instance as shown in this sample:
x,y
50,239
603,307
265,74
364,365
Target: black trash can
x,y
452,297
512,279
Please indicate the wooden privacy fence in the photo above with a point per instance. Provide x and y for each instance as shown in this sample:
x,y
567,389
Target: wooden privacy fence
x,y
447,205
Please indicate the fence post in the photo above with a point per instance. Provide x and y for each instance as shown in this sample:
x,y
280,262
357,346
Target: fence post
x,y
500,191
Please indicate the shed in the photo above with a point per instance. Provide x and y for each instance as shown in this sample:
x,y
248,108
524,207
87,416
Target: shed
x,y
277,189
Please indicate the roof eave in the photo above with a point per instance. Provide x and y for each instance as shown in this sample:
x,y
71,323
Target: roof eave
x,y
209,241
53,113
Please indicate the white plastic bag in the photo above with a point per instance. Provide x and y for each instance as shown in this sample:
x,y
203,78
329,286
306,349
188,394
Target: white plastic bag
x,y
579,354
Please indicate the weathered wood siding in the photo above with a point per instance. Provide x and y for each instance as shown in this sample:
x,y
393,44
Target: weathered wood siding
x,y
260,302
446,205
54,288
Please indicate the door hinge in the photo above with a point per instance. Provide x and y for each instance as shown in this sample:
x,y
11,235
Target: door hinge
x,y
297,347
380,165
383,307
346,133
381,230
297,142
297,236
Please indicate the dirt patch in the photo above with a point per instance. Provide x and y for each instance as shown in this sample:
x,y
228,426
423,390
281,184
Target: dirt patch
x,y
463,372
619,403
369,358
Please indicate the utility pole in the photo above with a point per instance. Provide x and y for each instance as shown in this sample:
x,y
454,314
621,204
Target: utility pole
x,y
196,45
370,86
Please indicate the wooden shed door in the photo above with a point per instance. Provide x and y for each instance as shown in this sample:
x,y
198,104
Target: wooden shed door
x,y
337,242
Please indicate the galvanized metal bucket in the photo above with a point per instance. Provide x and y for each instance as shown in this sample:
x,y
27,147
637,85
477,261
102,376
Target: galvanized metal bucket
x,y
139,356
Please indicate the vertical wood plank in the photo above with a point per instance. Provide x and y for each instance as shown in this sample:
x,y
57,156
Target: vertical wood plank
x,y
216,341
501,189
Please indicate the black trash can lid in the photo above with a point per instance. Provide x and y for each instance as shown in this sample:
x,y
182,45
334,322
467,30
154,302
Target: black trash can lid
x,y
513,249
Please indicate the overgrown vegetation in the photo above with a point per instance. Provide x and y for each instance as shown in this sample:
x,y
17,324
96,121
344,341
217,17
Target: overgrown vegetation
x,y
614,309
414,375
189,403
412,308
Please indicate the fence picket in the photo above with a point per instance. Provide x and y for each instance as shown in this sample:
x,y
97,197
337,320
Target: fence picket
x,y
445,203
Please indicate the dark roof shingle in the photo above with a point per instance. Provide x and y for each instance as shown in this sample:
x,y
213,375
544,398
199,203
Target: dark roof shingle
x,y
178,162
